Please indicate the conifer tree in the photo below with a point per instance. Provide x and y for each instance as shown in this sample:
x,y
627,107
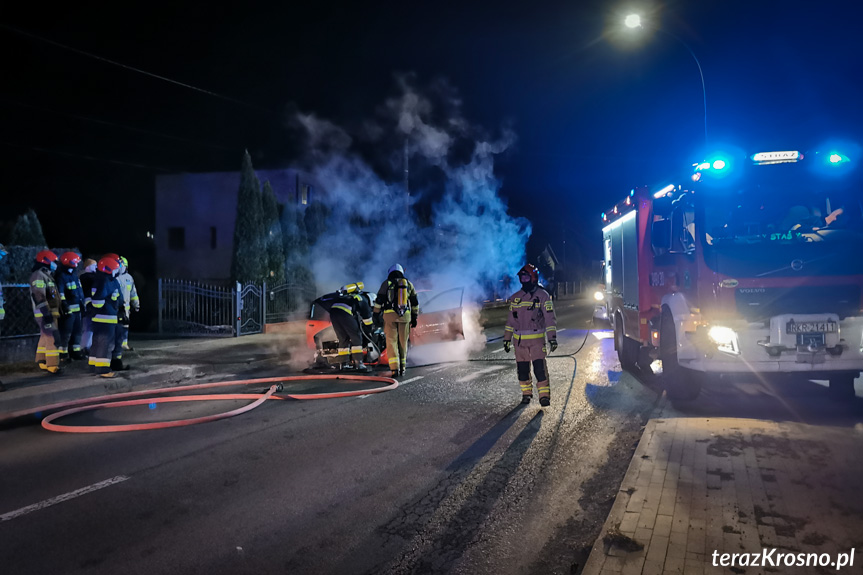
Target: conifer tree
x,y
296,245
27,231
249,260
275,272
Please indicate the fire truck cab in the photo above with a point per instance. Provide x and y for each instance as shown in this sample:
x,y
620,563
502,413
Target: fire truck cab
x,y
753,266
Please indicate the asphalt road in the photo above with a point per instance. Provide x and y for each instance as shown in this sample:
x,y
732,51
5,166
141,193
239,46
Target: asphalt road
x,y
446,474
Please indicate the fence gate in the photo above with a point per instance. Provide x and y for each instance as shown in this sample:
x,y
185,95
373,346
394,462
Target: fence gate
x,y
195,309
251,308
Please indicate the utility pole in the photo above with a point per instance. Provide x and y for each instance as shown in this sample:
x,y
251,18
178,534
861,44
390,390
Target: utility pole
x,y
407,180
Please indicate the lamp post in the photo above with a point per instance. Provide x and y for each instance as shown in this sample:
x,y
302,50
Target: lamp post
x,y
634,21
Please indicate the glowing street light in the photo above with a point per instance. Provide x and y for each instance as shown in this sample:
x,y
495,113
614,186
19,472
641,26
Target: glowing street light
x,y
634,21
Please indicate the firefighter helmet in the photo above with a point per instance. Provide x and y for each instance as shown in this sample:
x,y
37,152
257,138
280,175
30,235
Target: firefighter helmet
x,y
46,257
108,265
112,256
396,268
530,271
70,259
123,261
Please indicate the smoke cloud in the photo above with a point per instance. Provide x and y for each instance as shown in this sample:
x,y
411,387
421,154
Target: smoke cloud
x,y
448,227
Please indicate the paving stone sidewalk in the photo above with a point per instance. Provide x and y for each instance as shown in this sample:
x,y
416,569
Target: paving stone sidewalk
x,y
697,485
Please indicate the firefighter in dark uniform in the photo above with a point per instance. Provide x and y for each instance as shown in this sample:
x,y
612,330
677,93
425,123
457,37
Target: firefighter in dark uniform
x,y
105,300
71,300
348,307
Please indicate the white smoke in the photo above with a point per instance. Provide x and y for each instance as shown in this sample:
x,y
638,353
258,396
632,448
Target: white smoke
x,y
463,238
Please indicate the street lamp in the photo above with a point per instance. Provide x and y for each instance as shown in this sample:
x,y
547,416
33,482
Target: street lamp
x,y
634,21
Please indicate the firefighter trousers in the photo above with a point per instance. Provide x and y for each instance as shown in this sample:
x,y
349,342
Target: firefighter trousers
x,y
531,353
104,335
397,331
348,333
120,334
70,333
48,347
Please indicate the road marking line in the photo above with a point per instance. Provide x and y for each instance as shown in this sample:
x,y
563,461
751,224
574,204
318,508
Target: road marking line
x,y
560,330
481,372
501,350
62,498
405,382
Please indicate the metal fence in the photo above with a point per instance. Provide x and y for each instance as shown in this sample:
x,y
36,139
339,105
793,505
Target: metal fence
x,y
288,301
191,308
19,320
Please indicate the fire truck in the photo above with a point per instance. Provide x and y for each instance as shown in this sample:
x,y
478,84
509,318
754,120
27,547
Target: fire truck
x,y
753,266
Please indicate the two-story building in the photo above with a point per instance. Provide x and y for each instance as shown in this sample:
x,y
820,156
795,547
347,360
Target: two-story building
x,y
195,215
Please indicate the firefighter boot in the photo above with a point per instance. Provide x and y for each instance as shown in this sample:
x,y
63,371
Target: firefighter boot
x,y
117,365
54,370
545,401
526,390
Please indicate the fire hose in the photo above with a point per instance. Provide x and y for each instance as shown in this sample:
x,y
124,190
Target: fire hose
x,y
144,398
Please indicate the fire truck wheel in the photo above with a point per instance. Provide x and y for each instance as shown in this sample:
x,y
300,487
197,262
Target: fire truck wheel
x,y
627,349
680,383
842,387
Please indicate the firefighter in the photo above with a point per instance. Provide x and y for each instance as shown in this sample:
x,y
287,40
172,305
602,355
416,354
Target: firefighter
x,y
71,300
3,253
347,308
87,278
130,303
46,310
105,301
531,319
397,301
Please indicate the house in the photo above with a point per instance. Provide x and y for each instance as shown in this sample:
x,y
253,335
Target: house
x,y
195,215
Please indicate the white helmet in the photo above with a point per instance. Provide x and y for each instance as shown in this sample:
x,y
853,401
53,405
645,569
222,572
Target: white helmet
x,y
396,268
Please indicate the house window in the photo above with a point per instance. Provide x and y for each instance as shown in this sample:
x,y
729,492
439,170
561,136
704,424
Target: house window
x,y
305,194
176,238
212,237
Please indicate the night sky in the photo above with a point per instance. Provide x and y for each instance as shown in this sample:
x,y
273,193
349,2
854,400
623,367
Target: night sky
x,y
596,110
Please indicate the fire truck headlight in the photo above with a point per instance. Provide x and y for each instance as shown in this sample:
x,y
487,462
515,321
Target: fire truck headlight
x,y
725,338
598,295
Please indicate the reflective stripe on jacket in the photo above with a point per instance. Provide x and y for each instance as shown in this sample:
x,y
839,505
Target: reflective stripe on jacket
x,y
531,316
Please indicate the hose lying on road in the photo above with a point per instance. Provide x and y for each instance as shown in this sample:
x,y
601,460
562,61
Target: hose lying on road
x,y
105,401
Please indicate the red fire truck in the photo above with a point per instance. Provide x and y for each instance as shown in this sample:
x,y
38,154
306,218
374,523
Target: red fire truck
x,y
753,266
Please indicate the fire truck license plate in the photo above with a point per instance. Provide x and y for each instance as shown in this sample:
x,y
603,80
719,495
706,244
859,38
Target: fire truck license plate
x,y
810,327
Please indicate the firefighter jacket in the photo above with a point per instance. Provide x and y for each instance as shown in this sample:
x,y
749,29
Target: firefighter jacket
x,y
87,279
531,316
398,296
128,292
71,292
44,295
105,298
355,304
